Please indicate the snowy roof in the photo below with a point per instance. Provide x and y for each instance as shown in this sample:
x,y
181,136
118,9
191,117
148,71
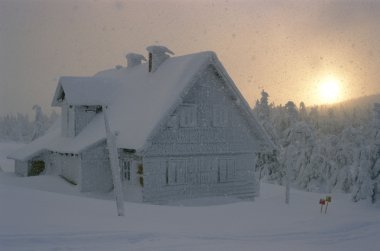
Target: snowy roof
x,y
159,49
53,141
86,90
138,101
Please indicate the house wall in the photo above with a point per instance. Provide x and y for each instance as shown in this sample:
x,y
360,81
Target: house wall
x,y
96,171
181,177
206,138
83,115
68,121
21,167
75,118
50,165
66,165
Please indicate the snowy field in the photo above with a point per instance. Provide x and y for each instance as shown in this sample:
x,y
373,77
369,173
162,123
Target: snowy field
x,y
46,213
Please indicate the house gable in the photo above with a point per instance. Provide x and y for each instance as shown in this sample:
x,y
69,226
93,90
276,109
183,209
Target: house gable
x,y
206,147
209,118
59,97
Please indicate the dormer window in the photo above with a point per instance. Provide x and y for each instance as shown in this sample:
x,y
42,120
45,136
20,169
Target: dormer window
x,y
61,97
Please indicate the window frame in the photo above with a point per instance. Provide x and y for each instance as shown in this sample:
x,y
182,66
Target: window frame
x,y
219,116
126,170
226,170
188,115
176,172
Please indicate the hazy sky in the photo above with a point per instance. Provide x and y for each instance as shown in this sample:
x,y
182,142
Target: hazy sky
x,y
284,47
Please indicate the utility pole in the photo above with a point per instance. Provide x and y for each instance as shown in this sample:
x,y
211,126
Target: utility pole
x,y
287,184
114,161
286,161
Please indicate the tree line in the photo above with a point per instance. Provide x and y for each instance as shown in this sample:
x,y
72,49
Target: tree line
x,y
20,128
322,148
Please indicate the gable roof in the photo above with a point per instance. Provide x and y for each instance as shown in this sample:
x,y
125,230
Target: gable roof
x,y
139,101
85,90
53,141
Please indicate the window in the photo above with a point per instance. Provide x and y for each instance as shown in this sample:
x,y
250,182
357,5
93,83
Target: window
x,y
219,116
61,96
188,115
226,170
172,123
126,170
176,172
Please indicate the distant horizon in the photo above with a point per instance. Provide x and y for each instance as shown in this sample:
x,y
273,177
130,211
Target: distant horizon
x,y
50,110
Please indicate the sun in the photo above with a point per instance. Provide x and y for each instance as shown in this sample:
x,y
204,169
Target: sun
x,y
329,90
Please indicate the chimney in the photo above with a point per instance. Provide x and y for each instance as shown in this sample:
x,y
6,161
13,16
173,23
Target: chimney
x,y
134,59
157,55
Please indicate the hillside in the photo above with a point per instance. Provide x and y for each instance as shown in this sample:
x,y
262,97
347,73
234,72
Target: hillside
x,y
361,102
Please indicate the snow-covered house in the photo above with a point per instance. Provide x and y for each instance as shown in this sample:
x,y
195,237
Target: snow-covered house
x,y
183,130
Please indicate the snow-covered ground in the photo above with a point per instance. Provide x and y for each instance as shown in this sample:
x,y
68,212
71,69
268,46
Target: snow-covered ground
x,y
46,213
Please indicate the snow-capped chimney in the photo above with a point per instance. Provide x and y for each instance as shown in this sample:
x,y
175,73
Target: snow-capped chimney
x,y
134,59
157,55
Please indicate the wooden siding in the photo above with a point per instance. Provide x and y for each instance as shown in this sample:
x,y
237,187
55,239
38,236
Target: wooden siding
x,y
21,168
83,116
68,121
219,126
96,171
66,165
75,118
199,176
206,129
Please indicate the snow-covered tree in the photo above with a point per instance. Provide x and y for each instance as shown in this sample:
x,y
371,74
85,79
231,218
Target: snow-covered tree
x,y
331,148
262,106
267,165
375,172
20,128
38,124
363,187
292,112
303,111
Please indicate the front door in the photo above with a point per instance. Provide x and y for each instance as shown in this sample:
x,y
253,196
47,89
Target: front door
x,y
131,180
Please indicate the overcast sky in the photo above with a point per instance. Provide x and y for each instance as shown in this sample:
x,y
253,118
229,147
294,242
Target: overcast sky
x,y
284,47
